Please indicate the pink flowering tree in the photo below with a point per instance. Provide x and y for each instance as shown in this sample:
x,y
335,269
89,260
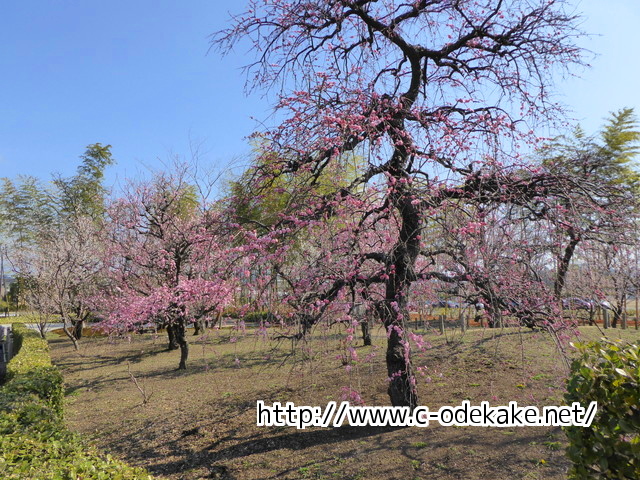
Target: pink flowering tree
x,y
169,259
435,95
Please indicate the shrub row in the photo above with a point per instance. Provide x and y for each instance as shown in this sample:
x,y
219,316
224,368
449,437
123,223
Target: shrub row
x,y
22,318
609,373
34,441
259,316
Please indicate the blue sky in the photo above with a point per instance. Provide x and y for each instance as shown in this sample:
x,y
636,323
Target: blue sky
x,y
136,74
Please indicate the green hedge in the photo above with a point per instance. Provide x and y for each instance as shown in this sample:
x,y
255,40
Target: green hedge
x,y
26,317
22,318
34,441
609,373
259,316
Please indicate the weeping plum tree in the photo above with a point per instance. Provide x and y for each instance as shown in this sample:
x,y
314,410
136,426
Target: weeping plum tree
x,y
435,95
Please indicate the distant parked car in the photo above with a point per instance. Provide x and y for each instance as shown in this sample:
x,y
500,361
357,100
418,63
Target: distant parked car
x,y
444,304
147,327
575,303
604,304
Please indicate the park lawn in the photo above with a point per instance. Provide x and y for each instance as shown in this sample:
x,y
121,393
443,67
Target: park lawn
x,y
201,423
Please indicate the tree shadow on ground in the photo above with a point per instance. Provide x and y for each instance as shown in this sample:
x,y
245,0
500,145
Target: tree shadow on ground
x,y
246,446
445,453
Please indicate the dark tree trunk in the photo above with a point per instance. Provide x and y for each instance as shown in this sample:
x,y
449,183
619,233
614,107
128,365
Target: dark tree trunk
x,y
199,327
621,311
401,390
306,323
366,331
494,314
563,266
74,340
171,333
181,339
77,329
393,311
69,330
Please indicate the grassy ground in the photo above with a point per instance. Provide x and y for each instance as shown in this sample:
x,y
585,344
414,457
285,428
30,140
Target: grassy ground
x,y
201,423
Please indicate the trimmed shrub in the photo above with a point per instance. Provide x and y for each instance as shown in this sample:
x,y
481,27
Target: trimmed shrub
x,y
231,312
259,316
22,318
609,373
34,441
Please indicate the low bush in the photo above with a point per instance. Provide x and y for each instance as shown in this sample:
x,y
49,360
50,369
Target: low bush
x,y
21,318
609,373
34,441
231,312
259,316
